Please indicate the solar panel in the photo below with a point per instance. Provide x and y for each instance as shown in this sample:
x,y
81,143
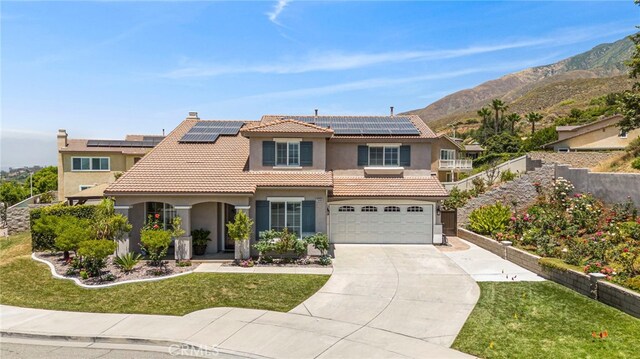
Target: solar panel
x,y
363,125
209,131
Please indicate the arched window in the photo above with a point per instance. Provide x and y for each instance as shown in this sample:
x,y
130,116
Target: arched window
x,y
415,209
346,209
369,209
165,211
392,209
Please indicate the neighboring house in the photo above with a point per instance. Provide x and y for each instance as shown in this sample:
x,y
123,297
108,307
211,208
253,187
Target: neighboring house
x,y
85,167
473,150
360,179
452,159
601,135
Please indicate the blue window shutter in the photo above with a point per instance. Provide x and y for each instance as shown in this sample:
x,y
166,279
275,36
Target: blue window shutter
x,y
363,155
268,153
405,156
308,216
262,217
306,153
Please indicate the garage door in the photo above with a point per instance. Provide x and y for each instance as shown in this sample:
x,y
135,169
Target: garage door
x,y
381,223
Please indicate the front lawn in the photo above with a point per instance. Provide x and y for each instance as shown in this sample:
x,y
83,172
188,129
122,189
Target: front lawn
x,y
26,283
545,320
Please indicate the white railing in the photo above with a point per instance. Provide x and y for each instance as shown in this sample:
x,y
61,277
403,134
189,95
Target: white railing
x,y
516,165
455,164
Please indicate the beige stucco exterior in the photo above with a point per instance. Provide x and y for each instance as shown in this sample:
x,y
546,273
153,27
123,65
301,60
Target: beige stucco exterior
x,y
343,155
255,152
607,138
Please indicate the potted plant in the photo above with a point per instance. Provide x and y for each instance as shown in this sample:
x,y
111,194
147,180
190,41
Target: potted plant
x,y
239,231
200,238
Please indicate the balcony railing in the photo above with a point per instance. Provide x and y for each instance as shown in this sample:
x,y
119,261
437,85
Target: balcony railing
x,y
455,164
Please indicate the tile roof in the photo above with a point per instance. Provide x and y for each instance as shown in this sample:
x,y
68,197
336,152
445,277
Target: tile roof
x,y
220,167
80,145
586,128
425,131
288,126
423,186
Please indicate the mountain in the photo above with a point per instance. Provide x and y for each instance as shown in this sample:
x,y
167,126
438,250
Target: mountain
x,y
596,72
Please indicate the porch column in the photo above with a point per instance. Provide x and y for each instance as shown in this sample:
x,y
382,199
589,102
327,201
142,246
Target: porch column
x,y
183,244
243,248
124,245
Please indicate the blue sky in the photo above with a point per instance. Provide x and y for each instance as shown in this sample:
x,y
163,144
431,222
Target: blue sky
x,y
104,69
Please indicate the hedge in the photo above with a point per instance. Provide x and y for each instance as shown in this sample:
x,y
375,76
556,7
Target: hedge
x,y
43,241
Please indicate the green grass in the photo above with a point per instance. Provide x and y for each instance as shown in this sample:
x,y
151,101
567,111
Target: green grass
x,y
26,283
545,320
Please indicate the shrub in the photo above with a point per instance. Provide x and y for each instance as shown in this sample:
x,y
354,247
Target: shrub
x,y
507,176
503,143
585,212
478,185
240,228
109,225
155,243
94,254
324,260
280,243
626,257
625,211
490,220
577,251
633,283
200,236
66,230
456,199
44,238
127,261
561,191
546,245
636,163
320,242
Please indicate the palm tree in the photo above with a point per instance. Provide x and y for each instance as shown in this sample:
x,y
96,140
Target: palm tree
x,y
533,117
513,119
498,107
485,113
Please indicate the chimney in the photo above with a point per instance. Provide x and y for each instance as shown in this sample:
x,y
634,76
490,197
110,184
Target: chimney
x,y
316,111
193,115
163,132
62,138
391,108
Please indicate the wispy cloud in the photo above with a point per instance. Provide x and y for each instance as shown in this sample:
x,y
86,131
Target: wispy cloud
x,y
338,61
277,10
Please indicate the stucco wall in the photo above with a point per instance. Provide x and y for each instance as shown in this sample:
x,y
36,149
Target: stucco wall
x,y
608,187
606,138
344,155
205,215
255,153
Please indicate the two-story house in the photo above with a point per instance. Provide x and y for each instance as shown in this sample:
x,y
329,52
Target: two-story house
x,y
360,179
86,167
600,135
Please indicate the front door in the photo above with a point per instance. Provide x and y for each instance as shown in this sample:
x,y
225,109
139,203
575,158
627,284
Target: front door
x,y
229,215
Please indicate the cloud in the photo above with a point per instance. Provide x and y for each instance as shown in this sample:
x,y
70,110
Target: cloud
x,y
277,10
339,61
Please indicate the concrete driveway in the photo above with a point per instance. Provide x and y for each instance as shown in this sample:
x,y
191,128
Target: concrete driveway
x,y
382,301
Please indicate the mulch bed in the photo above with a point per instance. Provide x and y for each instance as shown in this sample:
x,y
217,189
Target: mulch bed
x,y
141,271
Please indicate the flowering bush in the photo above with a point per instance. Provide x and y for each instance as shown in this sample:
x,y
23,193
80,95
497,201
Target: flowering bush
x,y
599,267
584,212
561,190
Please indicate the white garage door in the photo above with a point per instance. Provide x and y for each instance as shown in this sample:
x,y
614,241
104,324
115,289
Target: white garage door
x,y
381,223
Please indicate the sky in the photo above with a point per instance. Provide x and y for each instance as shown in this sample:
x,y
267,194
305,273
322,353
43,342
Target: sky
x,y
105,69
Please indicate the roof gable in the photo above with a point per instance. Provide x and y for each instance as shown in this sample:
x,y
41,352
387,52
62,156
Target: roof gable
x,y
287,126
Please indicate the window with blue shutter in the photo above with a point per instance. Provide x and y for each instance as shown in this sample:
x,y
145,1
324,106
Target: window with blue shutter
x,y
308,216
268,153
306,153
262,217
363,155
405,156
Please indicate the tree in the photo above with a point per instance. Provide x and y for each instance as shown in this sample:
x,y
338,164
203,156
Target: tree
x,y
12,193
498,108
44,180
513,119
533,117
503,143
485,114
239,230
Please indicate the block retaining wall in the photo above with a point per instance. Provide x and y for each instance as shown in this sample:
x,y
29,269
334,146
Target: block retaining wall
x,y
608,293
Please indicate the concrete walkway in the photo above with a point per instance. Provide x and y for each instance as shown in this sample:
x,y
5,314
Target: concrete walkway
x,y
220,268
484,266
381,301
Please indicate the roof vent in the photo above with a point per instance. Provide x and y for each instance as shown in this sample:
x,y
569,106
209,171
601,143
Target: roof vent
x,y
391,108
193,115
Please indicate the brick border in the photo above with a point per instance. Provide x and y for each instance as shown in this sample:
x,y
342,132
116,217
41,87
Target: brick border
x,y
593,285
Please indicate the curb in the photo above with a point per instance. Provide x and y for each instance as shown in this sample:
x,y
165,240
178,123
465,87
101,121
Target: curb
x,y
97,286
127,341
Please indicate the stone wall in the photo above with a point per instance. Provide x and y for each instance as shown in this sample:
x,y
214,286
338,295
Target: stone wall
x,y
607,187
18,218
520,190
574,159
608,293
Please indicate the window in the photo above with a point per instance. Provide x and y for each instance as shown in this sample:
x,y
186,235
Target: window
x,y
369,209
165,210
447,154
287,153
622,134
415,209
90,163
346,209
85,186
136,159
384,156
392,209
563,150
286,215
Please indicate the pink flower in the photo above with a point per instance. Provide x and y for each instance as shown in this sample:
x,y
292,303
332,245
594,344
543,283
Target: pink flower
x,y
157,215
155,226
626,250
599,233
513,219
